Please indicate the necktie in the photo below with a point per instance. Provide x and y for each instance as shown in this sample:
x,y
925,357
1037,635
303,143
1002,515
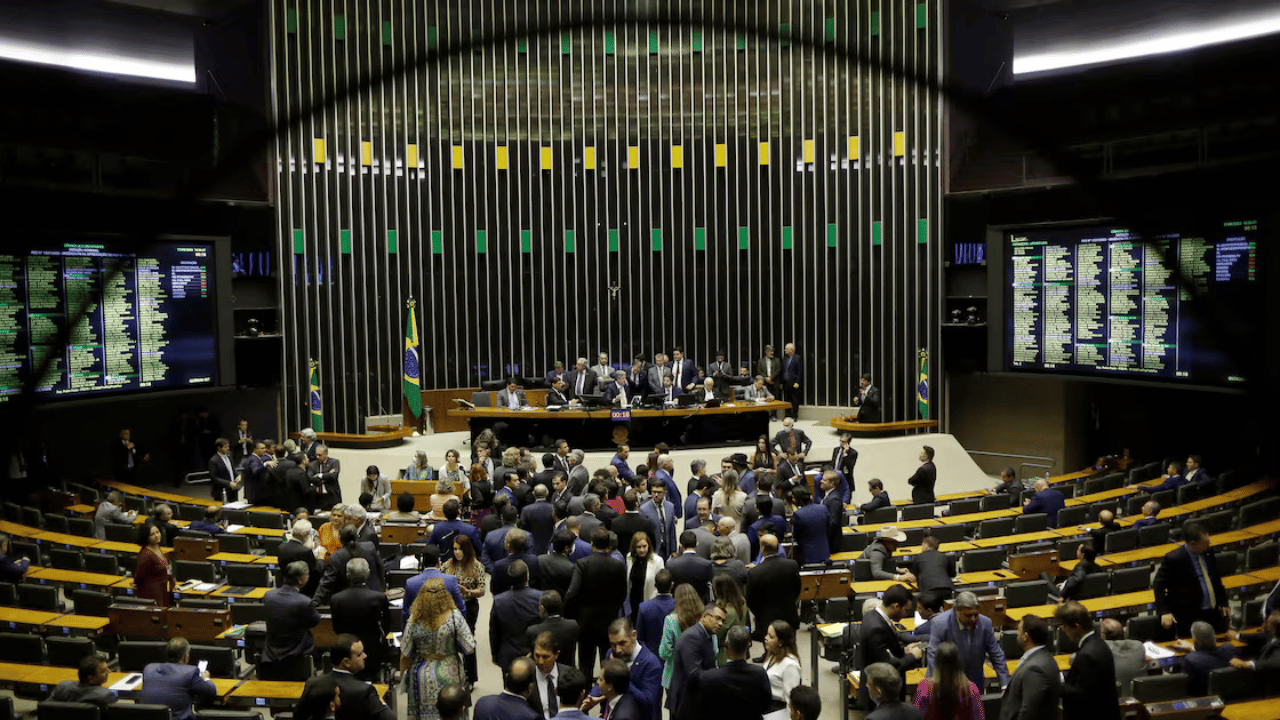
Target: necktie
x,y
553,708
130,456
581,379
1208,582
791,439
662,527
607,710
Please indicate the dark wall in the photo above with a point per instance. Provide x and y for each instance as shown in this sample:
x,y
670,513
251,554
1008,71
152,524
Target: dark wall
x,y
554,258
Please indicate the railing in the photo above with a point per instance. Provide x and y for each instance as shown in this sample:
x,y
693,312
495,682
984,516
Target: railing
x,y
1052,463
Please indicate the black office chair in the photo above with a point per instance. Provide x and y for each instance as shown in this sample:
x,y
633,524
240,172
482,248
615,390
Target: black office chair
x,y
1143,627
1129,580
950,533
138,711
982,560
1166,498
245,574
91,603
862,570
1035,547
1063,644
1114,481
1133,504
853,542
1000,502
137,654
1157,534
269,520
917,512
222,660
915,536
235,516
1067,489
117,532
244,613
1026,594
1251,613
1068,547
1035,522
1194,492
184,570
32,517
54,710
39,597
54,522
990,704
1122,540
22,548
63,559
1259,512
397,578
881,515
481,399
1219,522
1160,688
1234,684
104,563
1096,485
1228,562
234,543
836,610
995,527
21,648
390,551
68,651
8,595
1095,509
1077,515
12,512
1095,585
967,506
271,546
1009,643
190,513
80,527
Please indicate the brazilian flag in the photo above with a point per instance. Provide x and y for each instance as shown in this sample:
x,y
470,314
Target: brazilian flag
x,y
317,406
412,384
922,388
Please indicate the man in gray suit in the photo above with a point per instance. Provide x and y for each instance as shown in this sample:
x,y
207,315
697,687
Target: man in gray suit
x,y
290,617
88,688
604,372
510,397
579,478
1036,685
884,685
659,370
757,391
973,634
111,510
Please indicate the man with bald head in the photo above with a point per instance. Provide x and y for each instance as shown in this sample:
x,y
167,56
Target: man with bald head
x,y
1106,525
538,520
727,527
1130,655
773,588
1045,500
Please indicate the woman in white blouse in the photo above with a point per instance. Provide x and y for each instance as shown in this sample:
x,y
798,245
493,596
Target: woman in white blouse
x,y
643,565
782,663
729,499
452,470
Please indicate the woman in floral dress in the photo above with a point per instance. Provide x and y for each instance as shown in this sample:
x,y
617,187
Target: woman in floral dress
x,y
431,646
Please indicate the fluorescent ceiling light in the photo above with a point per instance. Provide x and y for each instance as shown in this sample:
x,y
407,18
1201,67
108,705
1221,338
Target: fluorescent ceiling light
x,y
98,62
1166,44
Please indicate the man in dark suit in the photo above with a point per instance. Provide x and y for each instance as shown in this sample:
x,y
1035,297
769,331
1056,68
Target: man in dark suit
x,y
1205,657
811,527
843,459
879,497
550,674
1265,649
1188,587
176,683
91,675
292,485
324,478
882,683
880,640
516,544
556,373
654,611
358,699
243,444
581,380
925,477
335,570
1045,500
661,514
631,521
443,534
693,654
564,631
684,372
358,518
773,588
645,682
1089,689
836,512
571,690
290,617
613,684
513,702
621,392
738,690
255,475
513,612
1036,684
127,457
935,571
790,474
791,438
362,612
868,401
769,366
1086,564
224,481
555,569
1106,525
792,378
768,512
294,549
596,594
688,567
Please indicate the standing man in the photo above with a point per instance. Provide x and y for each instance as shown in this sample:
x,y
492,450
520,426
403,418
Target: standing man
x,y
290,617
658,373
694,653
550,674
868,401
256,475
563,632
581,380
603,370
666,474
362,612
224,481
645,683
244,442
691,569
513,612
880,640
720,371
737,690
773,589
810,526
935,571
513,702
1089,689
631,521
537,519
324,478
126,457
595,598
843,458
791,439
613,683
1036,685
684,373
925,477
662,514
619,461
175,683
638,376
792,378
972,634
769,367
836,512
1188,587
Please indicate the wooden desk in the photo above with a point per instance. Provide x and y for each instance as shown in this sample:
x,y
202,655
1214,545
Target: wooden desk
x,y
1266,529
159,495
1146,554
907,551
1267,709
75,541
88,623
263,692
106,546
850,424
907,525
941,499
20,617
985,577
1101,496
74,578
16,672
1236,582
81,509
18,529
979,516
256,594
222,558
1096,606
1004,540
1271,574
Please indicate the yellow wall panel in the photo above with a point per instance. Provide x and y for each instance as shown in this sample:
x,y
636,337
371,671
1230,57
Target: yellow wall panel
x,y
459,157
366,153
633,157
589,158
677,156
547,158
808,151
854,148
500,157
722,155
899,144
764,153
317,149
411,155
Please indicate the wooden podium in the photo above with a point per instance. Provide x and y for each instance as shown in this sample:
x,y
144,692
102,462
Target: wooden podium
x,y
825,584
1028,566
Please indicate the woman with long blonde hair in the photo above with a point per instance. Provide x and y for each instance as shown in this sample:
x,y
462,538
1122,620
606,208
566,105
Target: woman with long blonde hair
x,y
432,645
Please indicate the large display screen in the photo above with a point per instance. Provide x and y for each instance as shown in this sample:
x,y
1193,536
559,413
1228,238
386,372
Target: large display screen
x,y
151,325
1100,301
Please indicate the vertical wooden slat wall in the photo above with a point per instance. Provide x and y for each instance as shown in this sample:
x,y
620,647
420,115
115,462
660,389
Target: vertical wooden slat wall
x,y
620,188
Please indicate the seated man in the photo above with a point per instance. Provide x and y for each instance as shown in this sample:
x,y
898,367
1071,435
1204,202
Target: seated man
x,y
1070,588
1106,525
621,392
708,392
880,553
176,683
879,497
1172,480
756,391
669,391
1150,511
1045,500
1205,656
89,688
1008,483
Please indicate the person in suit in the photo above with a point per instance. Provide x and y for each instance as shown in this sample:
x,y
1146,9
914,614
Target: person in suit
x,y
805,703
1195,473
810,526
127,457
613,684
881,642
638,378
645,682
308,444
706,391
843,459
737,690
603,370
556,373
550,674
430,559
621,392
684,372
1034,688
880,554
443,533
324,472
935,571
1206,656
559,396
694,653
791,438
689,568
768,512
790,472
924,479
578,478
362,612
175,683
882,683
1264,647
972,633
665,471
1150,515
1045,500
879,497
294,549
555,569
721,371
1089,688
162,517
661,514
773,589
792,378
1130,655
564,631
837,515
757,391
596,594
513,702
516,543
255,474
358,699
290,617
588,520
658,373
511,397
1188,587
513,612
653,611
1086,564
1008,483
224,481
632,521
289,477
868,401
335,570
111,510
243,442
769,366
92,674
581,380
1172,480
358,518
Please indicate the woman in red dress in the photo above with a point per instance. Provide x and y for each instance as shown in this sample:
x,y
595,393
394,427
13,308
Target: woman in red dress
x,y
151,578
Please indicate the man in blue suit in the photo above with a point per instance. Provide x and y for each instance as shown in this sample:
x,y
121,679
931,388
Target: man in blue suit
x,y
1172,480
614,681
1045,500
684,374
443,533
666,466
662,514
646,670
654,612
513,612
702,489
537,518
792,378
767,508
835,509
430,569
495,542
810,525
972,634
517,547
513,702
175,683
619,461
